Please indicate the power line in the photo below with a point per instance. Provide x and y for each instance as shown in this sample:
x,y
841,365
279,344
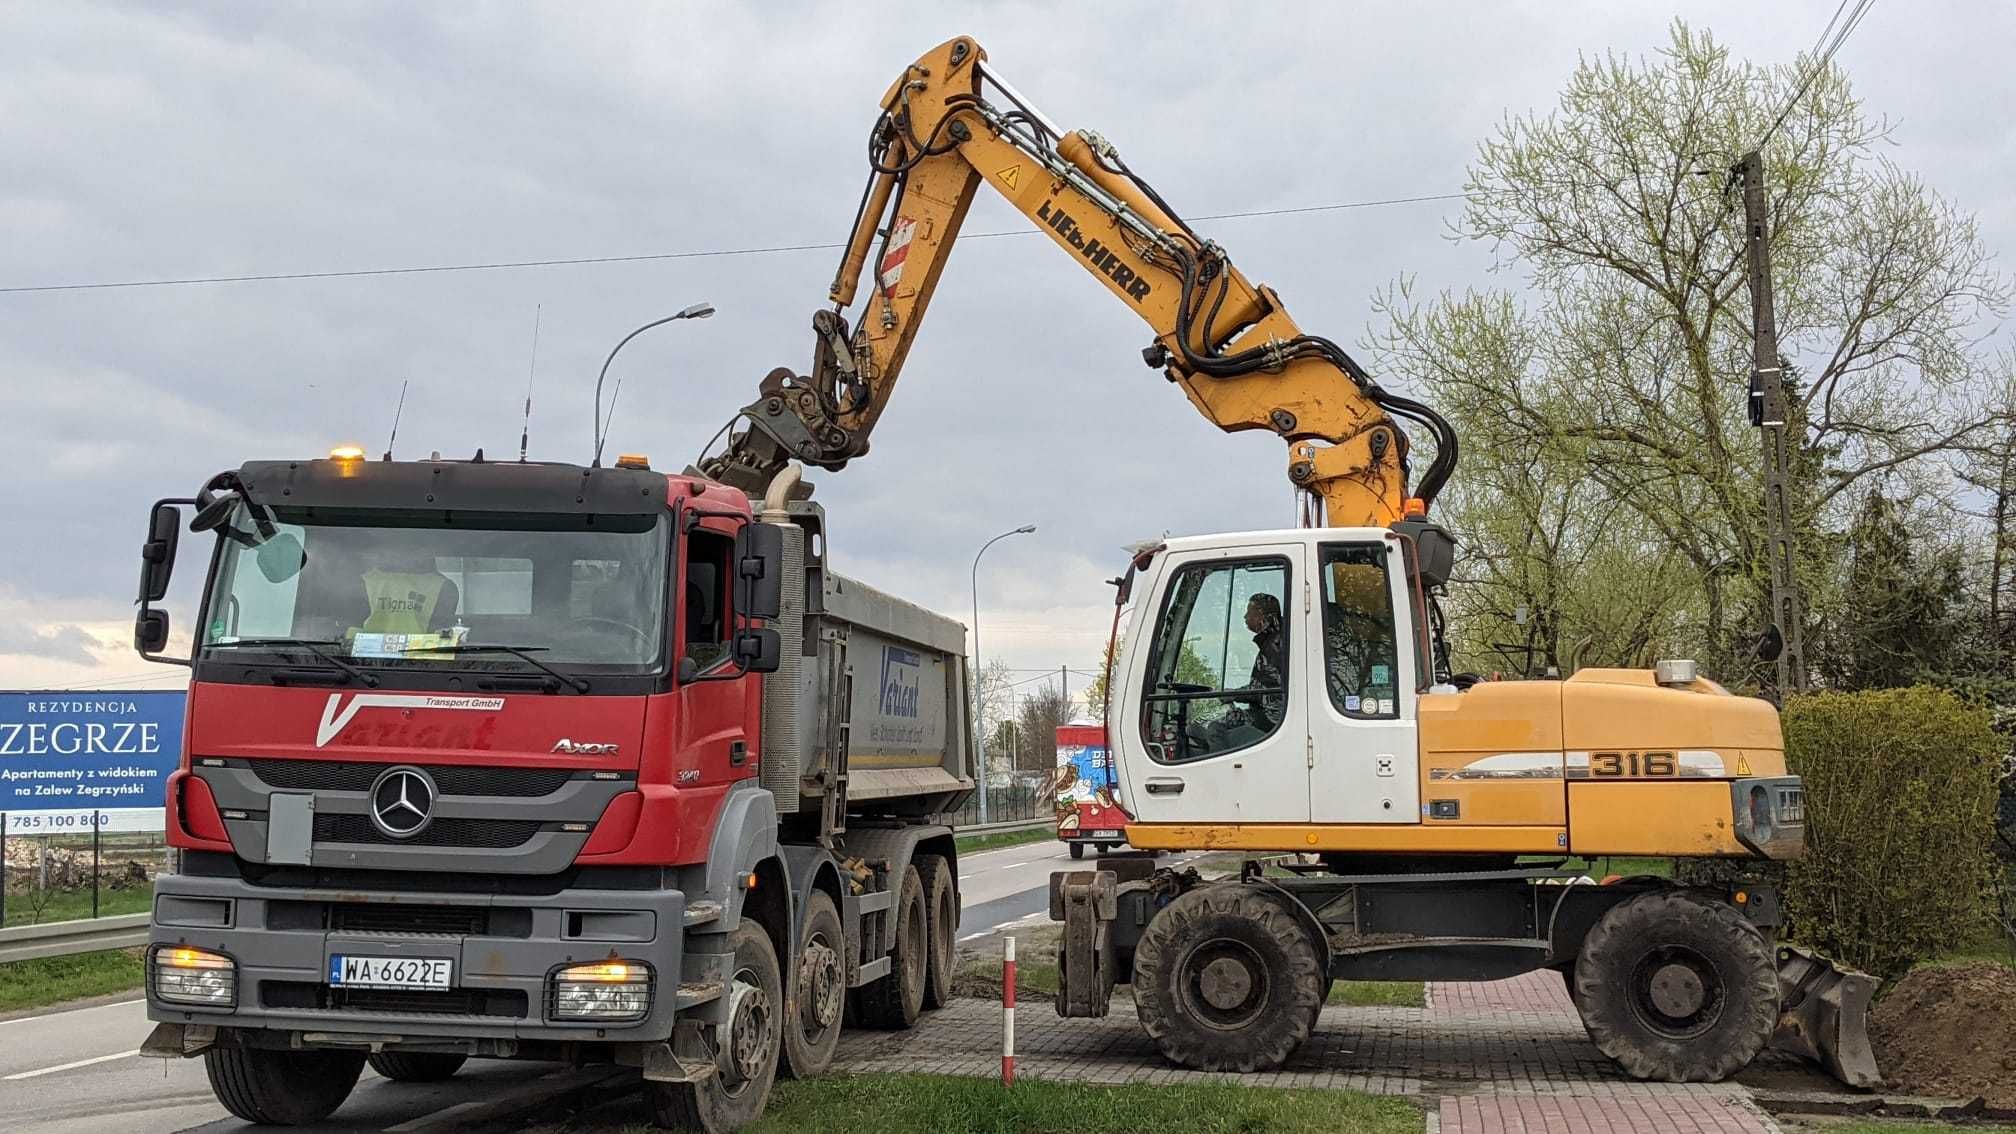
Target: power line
x,y
1821,58
709,253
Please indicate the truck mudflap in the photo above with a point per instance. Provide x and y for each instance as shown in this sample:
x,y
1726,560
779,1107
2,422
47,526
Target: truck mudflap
x,y
1823,1015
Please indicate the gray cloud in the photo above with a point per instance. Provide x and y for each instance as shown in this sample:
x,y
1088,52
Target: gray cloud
x,y
62,643
223,139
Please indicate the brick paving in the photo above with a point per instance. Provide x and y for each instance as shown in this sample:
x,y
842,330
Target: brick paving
x,y
1508,1056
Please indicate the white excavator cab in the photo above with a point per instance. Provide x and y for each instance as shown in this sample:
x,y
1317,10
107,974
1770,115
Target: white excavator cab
x,y
1271,677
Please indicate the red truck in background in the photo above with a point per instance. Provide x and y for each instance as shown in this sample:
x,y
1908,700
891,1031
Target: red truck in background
x,y
1087,815
536,761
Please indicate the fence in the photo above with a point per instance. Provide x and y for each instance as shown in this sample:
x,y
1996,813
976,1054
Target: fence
x,y
1012,803
51,878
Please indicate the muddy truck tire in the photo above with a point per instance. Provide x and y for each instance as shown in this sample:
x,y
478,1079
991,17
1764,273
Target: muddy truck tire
x,y
1677,986
1228,979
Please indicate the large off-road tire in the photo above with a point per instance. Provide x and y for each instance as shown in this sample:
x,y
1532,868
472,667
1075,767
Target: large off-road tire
x,y
282,1088
1677,986
730,1100
941,915
893,1001
812,1022
1226,978
416,1066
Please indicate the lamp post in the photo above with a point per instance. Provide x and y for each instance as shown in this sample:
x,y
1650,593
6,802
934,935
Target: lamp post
x,y
979,726
697,311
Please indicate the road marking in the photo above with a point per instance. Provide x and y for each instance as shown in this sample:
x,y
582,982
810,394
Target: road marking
x,y
38,1073
72,1011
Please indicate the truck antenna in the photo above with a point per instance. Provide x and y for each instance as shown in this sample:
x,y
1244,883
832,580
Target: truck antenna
x,y
400,409
525,431
608,421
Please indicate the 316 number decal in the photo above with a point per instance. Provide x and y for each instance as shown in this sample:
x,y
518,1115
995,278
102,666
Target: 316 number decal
x,y
1633,764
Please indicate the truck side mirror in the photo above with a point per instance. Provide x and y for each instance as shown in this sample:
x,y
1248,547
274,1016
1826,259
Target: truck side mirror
x,y
759,650
157,555
150,630
759,571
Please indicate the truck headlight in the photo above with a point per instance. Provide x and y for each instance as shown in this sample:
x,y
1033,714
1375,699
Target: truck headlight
x,y
181,974
604,990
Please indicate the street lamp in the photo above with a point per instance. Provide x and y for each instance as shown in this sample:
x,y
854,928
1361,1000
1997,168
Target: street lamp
x,y
979,728
697,311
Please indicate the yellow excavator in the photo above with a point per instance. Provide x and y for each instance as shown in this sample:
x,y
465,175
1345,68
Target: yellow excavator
x,y
1288,692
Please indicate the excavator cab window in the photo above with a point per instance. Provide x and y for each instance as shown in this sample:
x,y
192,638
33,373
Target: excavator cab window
x,y
1218,678
1360,660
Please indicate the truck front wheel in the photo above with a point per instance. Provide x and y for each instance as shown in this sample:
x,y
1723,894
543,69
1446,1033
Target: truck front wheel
x,y
1677,986
281,1088
1227,979
819,995
733,1097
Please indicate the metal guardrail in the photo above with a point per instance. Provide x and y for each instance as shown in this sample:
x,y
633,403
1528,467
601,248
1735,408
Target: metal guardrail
x,y
1004,827
62,938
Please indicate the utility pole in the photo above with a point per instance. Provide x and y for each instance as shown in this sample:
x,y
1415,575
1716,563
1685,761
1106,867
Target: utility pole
x,y
1768,412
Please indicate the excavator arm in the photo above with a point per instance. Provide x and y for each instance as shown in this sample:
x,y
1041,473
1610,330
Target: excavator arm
x,y
949,124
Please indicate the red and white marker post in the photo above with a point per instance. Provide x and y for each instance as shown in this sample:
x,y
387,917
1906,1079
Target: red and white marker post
x,y
1008,1014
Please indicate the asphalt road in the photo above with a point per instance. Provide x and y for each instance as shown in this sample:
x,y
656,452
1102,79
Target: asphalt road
x,y
78,1071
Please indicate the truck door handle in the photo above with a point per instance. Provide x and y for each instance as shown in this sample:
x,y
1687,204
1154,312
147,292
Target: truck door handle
x,y
738,753
1164,787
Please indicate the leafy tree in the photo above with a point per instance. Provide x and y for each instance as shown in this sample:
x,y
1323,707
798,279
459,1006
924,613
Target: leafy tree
x,y
1606,405
1902,610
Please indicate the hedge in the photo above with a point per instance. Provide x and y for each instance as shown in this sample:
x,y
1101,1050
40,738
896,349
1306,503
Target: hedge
x,y
1901,791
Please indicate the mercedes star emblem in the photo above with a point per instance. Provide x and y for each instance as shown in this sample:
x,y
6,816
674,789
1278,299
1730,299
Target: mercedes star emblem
x,y
402,801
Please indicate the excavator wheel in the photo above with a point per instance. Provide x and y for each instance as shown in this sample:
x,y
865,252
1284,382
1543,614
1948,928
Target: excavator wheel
x,y
1227,979
1677,986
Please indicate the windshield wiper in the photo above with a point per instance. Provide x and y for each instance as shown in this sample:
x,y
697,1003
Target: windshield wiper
x,y
313,646
522,653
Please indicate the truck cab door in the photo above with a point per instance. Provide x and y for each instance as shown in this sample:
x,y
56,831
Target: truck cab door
x,y
1210,727
1363,738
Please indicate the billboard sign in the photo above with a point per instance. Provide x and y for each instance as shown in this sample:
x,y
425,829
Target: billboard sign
x,y
72,761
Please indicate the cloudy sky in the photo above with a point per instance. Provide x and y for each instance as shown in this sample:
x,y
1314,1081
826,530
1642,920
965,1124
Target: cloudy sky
x,y
198,140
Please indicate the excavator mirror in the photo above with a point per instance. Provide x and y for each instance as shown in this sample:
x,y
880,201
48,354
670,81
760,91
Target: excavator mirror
x,y
1434,550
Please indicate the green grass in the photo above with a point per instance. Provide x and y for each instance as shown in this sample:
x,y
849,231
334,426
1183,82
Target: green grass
x,y
53,980
1379,993
70,905
935,1104
968,844
1601,868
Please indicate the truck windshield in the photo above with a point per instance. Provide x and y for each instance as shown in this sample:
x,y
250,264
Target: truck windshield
x,y
390,589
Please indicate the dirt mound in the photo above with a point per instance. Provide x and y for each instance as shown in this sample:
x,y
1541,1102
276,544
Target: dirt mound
x,y
1950,1030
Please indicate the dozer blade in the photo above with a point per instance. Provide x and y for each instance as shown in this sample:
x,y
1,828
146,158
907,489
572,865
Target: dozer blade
x,y
1823,1015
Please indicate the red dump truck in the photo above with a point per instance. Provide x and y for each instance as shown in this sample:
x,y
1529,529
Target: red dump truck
x,y
538,761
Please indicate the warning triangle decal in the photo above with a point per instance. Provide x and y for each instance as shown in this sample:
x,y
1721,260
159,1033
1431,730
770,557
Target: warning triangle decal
x,y
1010,176
1742,765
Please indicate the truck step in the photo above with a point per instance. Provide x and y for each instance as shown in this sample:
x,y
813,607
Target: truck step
x,y
700,913
873,970
877,901
695,994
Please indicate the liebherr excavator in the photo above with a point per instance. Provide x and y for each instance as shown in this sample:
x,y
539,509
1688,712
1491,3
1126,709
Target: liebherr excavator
x,y
1288,692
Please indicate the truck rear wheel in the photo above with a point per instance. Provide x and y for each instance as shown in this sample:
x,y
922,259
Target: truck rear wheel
x,y
281,1088
893,1001
1227,979
1677,986
733,1097
415,1066
1077,850
819,992
941,910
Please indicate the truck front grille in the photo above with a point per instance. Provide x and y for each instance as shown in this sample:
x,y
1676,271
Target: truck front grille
x,y
452,779
492,834
458,921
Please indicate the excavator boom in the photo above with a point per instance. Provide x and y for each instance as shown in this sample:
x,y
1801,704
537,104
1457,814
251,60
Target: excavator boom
x,y
948,124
